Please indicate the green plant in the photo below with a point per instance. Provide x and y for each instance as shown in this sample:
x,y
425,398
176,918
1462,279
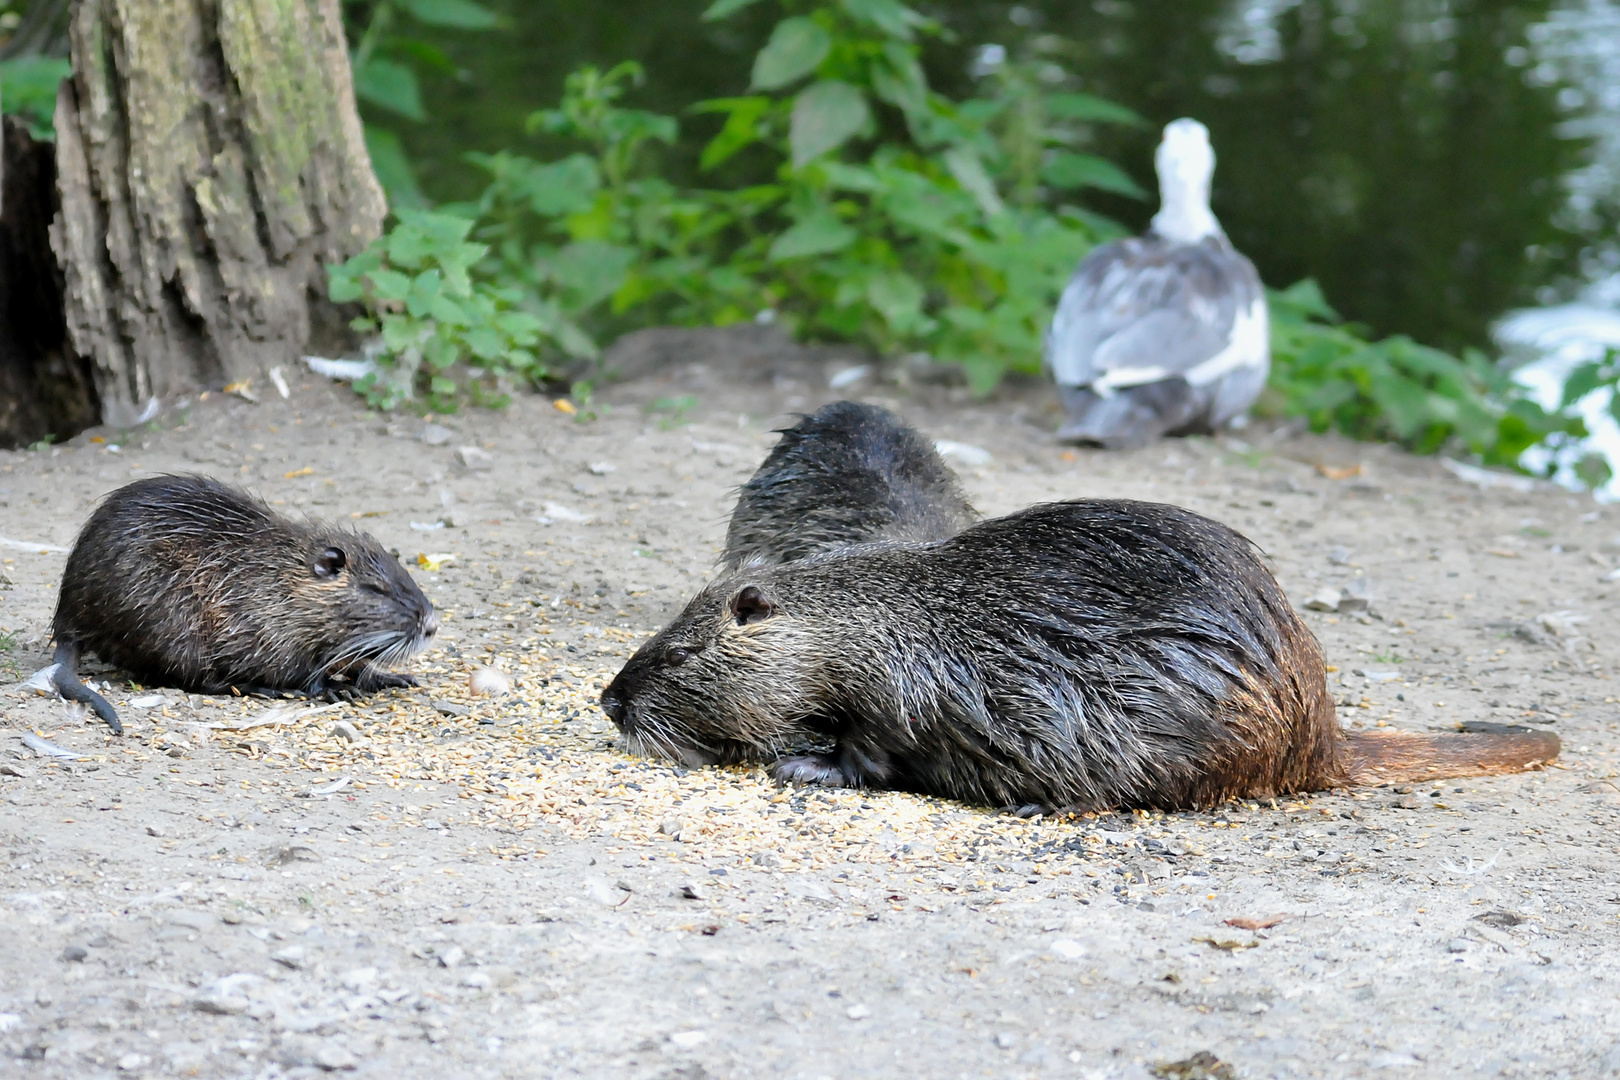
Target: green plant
x,y
385,63
1326,371
443,333
28,89
886,224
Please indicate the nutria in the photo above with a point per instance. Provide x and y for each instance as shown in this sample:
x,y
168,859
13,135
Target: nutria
x,y
1080,655
847,474
183,581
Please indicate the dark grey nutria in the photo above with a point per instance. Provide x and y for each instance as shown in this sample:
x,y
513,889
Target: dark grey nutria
x,y
1080,655
847,474
183,581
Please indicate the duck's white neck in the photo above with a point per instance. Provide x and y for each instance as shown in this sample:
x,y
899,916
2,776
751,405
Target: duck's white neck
x,y
1185,163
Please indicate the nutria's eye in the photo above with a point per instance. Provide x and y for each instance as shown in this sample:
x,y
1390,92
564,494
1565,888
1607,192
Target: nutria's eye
x,y
330,563
677,657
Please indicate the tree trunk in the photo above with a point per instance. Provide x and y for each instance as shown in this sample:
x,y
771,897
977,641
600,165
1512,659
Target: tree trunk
x,y
209,163
45,389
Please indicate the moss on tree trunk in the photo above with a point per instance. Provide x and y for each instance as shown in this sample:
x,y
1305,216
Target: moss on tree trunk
x,y
209,163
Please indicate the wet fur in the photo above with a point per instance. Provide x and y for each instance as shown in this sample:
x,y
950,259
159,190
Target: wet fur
x,y
849,473
1083,655
183,581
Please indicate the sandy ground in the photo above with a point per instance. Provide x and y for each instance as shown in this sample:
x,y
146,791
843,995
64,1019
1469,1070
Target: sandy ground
x,y
433,884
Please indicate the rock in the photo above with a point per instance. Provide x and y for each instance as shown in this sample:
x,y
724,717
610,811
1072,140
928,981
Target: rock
x,y
1458,945
1499,918
857,1012
154,830
767,860
602,468
452,956
290,957
449,708
1339,555
1068,950
474,458
131,1062
346,731
671,827
691,891
477,980
75,954
191,920
219,1003
290,853
488,682
435,434
1006,1040
333,1057
433,824
1326,599
685,1040
1358,596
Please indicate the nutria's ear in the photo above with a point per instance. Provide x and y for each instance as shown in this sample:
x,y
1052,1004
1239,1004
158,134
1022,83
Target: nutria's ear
x,y
751,605
330,563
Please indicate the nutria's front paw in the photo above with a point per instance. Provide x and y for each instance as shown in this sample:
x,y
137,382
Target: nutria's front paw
x,y
819,770
372,681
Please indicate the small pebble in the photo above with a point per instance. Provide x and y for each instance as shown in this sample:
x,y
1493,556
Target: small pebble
x,y
688,1039
333,1058
449,708
603,468
474,458
75,954
290,957
345,730
691,891
671,826
1339,556
488,682
154,830
435,434
1324,600
452,956
1006,1039
857,1012
131,1062
1457,945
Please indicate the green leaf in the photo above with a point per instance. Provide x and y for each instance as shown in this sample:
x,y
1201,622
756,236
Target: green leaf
x,y
796,47
568,186
28,87
447,311
1069,170
393,169
439,384
390,85
424,289
592,270
898,78
818,234
742,128
722,8
1089,107
965,166
890,16
390,284
461,14
899,299
826,115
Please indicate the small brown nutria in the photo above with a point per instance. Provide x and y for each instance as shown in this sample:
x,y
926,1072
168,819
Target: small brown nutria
x,y
183,581
849,473
1076,656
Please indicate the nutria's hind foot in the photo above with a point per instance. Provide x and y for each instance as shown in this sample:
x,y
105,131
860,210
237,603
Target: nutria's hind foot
x,y
1028,810
66,681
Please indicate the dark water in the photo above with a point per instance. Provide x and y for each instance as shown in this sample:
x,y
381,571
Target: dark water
x,y
1404,152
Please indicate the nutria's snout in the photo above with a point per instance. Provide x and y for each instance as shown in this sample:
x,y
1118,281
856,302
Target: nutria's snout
x,y
613,704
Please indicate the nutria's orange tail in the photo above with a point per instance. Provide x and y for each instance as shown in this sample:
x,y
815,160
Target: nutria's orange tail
x,y
1380,757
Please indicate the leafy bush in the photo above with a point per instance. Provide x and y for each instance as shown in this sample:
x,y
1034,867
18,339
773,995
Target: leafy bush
x,y
1326,371
442,333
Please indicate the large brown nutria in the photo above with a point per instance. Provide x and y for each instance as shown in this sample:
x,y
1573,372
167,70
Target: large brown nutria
x,y
183,581
847,474
1080,655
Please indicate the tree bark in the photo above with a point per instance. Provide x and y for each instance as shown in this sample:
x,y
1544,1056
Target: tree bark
x,y
45,389
210,162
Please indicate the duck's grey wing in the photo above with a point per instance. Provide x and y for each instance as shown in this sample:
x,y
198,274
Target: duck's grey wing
x,y
1145,309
